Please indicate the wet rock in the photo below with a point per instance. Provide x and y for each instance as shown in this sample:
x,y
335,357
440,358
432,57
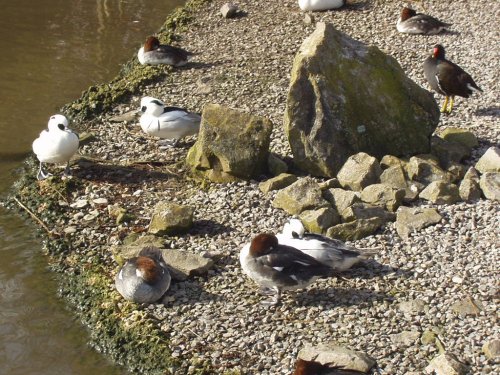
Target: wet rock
x,y
446,364
383,195
458,135
425,169
275,165
229,10
405,338
279,182
441,192
359,171
332,114
355,230
337,356
340,198
492,349
490,161
318,221
415,218
171,218
366,211
183,264
490,185
302,195
231,145
467,306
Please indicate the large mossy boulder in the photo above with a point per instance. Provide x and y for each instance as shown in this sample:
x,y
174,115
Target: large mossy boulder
x,y
231,145
346,97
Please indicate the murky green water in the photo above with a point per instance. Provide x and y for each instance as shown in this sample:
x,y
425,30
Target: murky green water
x,y
51,50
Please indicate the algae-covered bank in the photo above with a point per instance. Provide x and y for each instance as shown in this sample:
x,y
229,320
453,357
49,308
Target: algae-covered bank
x,y
431,292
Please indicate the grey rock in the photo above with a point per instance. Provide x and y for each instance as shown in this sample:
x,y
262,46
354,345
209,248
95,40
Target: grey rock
x,y
441,192
309,19
337,356
276,165
355,230
302,195
405,338
490,161
415,218
446,364
395,177
458,135
472,174
359,171
318,221
391,161
332,114
456,171
231,145
413,306
329,184
492,349
467,306
340,198
425,169
127,117
366,211
279,182
170,218
229,10
447,151
469,190
428,337
383,195
490,185
183,264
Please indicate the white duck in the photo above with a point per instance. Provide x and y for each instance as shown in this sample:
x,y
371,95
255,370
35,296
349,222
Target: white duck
x,y
318,5
55,145
170,123
331,252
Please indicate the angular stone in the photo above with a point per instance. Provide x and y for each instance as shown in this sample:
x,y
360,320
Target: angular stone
x,y
428,337
329,184
340,198
171,218
456,171
462,136
336,356
302,195
395,177
276,165
490,185
472,174
279,182
359,171
415,218
413,306
229,10
425,169
366,211
391,161
492,349
383,195
355,230
490,161
448,152
405,338
441,192
446,364
467,306
183,264
129,116
318,221
331,114
469,190
231,145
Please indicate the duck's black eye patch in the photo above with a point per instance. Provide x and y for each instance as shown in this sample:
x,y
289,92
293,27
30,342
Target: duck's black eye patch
x,y
143,108
157,102
61,126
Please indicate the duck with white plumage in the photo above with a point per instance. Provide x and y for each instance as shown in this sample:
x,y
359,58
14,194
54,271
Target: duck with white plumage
x,y
319,5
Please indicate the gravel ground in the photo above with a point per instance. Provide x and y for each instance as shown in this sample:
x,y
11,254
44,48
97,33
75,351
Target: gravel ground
x,y
245,63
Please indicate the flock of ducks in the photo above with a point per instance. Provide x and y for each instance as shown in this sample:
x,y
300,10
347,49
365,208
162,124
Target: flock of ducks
x,y
289,260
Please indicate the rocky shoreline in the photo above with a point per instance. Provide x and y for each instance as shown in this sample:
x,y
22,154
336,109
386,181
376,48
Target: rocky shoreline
x,y
436,291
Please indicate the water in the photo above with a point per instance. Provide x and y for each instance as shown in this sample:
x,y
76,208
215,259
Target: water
x,y
52,50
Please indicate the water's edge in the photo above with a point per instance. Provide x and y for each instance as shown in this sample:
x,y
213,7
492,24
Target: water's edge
x,y
138,345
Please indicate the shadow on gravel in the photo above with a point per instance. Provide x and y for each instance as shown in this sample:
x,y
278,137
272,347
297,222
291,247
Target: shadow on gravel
x,y
371,268
331,298
209,227
187,292
489,111
139,172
